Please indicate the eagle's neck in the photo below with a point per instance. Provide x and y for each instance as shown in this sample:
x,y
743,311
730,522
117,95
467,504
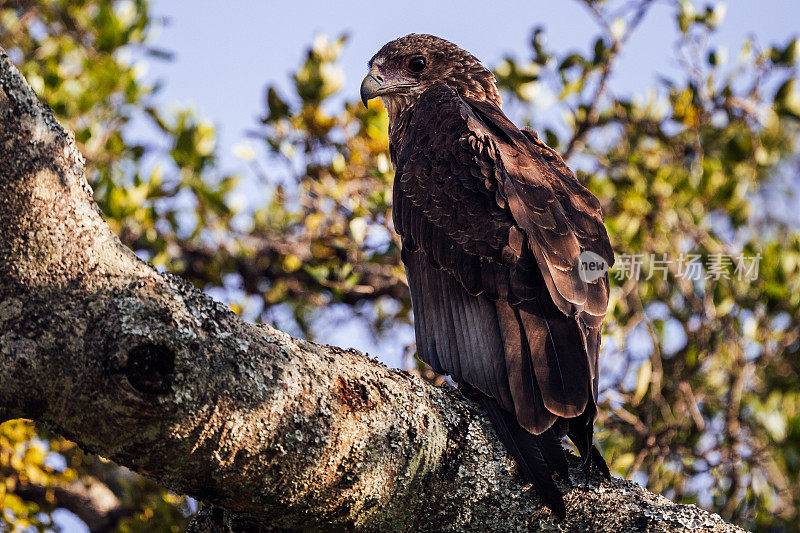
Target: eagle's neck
x,y
396,104
398,124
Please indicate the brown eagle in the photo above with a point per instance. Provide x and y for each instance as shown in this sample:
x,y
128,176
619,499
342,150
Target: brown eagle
x,y
493,225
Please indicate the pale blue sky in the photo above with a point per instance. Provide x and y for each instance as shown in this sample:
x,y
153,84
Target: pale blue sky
x,y
226,52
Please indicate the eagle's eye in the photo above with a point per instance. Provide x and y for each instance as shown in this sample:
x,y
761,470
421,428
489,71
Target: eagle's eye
x,y
416,64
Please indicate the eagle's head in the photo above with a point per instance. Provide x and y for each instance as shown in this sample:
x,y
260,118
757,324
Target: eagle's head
x,y
401,71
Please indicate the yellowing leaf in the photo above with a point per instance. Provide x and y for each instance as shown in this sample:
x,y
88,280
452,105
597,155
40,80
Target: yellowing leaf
x,y
642,381
291,263
623,462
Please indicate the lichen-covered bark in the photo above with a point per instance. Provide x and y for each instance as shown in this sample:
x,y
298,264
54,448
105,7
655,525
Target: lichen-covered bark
x,y
273,432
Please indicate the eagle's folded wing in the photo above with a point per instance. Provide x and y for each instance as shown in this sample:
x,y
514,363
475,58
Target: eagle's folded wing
x,y
492,231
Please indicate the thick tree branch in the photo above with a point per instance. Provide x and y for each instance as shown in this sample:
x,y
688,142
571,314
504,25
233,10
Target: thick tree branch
x,y
280,433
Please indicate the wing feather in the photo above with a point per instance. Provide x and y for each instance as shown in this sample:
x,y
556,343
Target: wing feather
x,y
462,331
528,403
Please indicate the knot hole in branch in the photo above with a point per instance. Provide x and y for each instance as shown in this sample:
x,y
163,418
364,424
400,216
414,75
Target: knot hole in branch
x,y
150,368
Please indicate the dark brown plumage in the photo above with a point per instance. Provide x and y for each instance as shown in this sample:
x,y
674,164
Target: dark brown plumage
x,y
492,225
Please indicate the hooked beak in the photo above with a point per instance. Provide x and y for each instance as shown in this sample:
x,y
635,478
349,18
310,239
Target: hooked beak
x,y
371,86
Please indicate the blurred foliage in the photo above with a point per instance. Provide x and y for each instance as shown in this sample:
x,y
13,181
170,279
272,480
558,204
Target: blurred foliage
x,y
700,399
332,210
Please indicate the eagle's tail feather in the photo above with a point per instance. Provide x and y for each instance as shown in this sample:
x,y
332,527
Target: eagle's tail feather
x,y
536,455
597,460
580,433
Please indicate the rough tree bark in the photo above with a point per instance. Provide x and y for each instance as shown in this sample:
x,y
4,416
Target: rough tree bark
x,y
270,431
